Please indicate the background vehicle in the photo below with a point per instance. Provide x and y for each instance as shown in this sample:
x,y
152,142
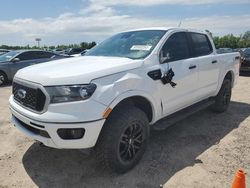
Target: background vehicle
x,y
12,61
3,51
84,52
58,51
108,99
245,66
74,51
224,50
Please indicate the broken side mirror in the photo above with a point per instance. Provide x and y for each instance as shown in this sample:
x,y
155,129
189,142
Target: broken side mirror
x,y
164,58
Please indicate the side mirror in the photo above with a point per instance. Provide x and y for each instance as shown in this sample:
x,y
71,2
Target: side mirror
x,y
15,60
164,59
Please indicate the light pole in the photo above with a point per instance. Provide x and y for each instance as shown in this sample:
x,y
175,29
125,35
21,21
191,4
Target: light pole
x,y
38,40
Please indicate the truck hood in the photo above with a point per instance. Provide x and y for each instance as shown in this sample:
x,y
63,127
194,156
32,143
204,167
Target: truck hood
x,y
78,70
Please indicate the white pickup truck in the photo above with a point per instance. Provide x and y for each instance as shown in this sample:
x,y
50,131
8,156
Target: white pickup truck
x,y
108,99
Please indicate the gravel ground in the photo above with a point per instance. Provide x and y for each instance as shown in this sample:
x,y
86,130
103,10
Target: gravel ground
x,y
203,150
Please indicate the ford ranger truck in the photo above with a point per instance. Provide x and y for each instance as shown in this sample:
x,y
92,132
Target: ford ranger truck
x,y
109,99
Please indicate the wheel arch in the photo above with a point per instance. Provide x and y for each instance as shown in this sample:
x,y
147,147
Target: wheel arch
x,y
230,76
3,72
6,75
141,100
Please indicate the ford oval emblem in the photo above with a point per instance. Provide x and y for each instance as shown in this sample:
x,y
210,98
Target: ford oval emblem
x,y
21,93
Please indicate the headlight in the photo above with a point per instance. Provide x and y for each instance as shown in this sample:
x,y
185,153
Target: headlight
x,y
59,94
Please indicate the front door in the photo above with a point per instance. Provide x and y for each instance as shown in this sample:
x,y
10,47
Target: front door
x,y
177,55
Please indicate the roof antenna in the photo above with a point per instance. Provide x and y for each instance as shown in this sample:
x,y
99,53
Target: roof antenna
x,y
179,24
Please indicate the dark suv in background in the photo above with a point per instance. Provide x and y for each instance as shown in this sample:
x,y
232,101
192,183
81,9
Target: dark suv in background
x,y
12,61
245,66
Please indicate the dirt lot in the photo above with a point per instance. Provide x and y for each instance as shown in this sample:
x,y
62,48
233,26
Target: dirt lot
x,y
204,150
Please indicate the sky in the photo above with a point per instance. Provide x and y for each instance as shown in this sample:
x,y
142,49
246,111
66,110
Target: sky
x,y
74,21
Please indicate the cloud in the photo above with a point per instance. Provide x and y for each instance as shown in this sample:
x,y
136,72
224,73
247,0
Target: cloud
x,y
98,9
165,2
99,20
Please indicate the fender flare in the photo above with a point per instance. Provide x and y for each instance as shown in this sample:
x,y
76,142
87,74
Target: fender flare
x,y
223,77
156,108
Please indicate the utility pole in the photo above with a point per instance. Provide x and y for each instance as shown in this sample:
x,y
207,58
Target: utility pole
x,y
180,24
38,40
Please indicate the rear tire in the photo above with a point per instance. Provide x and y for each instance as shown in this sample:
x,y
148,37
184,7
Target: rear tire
x,y
123,139
223,98
3,78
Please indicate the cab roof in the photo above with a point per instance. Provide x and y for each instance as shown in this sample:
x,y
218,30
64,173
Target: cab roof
x,y
168,29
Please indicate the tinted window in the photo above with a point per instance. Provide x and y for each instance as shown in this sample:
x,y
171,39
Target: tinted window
x,y
35,55
43,55
176,47
26,56
201,44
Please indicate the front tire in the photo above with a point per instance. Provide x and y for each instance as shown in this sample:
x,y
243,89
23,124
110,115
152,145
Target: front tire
x,y
123,139
223,98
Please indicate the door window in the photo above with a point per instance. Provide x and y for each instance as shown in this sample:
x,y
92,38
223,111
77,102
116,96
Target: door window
x,y
44,55
201,44
34,55
176,47
26,56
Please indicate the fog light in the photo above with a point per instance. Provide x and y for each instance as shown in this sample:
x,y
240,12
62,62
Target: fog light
x,y
68,134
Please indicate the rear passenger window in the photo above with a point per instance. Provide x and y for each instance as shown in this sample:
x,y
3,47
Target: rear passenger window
x,y
176,47
201,44
43,55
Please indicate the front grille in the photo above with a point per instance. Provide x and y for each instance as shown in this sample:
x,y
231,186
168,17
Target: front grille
x,y
33,98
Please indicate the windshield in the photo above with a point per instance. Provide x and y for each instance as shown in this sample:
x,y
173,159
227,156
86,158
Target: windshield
x,y
133,44
247,51
8,56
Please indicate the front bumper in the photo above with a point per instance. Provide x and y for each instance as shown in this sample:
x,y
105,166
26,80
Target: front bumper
x,y
45,130
245,69
245,66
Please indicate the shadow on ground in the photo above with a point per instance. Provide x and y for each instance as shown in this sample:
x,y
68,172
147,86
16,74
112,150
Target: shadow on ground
x,y
169,151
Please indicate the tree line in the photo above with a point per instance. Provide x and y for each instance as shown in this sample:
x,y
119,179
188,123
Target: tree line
x,y
227,41
83,45
231,41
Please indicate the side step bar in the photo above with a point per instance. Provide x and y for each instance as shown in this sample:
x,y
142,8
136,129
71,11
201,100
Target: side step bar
x,y
182,114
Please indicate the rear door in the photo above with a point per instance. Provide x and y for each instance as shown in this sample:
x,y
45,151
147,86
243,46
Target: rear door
x,y
178,54
208,63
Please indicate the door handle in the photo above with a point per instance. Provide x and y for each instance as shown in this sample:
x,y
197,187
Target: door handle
x,y
192,67
215,61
